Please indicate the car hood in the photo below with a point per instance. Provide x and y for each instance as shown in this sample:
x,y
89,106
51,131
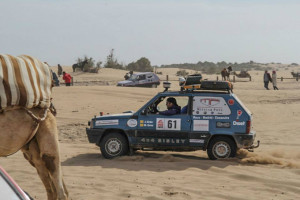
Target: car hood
x,y
115,116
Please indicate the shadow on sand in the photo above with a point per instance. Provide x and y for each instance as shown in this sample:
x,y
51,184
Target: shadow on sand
x,y
150,161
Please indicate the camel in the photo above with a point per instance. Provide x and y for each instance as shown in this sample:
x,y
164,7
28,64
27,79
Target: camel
x,y
242,74
32,130
79,65
38,140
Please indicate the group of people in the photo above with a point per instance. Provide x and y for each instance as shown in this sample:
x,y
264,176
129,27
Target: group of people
x,y
268,78
66,76
128,75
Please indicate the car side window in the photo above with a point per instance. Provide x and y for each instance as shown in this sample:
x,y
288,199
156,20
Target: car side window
x,y
182,101
141,77
209,105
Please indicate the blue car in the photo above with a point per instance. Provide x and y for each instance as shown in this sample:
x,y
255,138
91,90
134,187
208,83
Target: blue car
x,y
212,118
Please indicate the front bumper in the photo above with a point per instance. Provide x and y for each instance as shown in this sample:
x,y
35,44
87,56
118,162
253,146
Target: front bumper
x,y
244,141
94,135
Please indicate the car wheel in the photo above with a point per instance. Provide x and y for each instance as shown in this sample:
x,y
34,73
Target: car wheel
x,y
221,147
113,145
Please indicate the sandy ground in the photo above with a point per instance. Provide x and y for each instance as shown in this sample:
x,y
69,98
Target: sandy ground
x,y
271,172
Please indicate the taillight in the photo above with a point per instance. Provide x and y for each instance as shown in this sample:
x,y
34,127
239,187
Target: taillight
x,y
248,127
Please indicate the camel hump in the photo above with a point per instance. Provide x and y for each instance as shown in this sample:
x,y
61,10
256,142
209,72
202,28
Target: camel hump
x,y
24,81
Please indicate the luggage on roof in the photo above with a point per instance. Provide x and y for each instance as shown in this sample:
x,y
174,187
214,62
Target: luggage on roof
x,y
193,79
216,85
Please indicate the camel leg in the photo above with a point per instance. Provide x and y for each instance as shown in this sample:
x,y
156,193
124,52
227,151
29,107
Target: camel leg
x,y
47,140
31,152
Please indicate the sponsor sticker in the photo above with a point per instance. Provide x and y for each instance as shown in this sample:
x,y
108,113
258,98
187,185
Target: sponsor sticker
x,y
168,124
146,123
201,125
196,141
239,113
163,140
160,123
210,106
223,124
231,102
132,123
237,123
107,122
209,101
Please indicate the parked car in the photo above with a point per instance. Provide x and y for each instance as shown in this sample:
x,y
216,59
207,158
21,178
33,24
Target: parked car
x,y
143,79
216,121
9,189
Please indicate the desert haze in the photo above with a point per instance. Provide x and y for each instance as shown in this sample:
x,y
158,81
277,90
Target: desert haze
x,y
271,172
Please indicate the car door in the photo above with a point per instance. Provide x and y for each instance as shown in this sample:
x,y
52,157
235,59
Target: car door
x,y
210,115
164,130
142,80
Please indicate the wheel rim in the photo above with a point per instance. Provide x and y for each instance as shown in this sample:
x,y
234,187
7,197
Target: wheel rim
x,y
113,146
221,150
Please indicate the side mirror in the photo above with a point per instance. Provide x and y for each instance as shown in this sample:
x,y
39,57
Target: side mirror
x,y
144,112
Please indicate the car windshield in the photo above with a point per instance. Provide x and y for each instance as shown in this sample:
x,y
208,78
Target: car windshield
x,y
6,191
133,77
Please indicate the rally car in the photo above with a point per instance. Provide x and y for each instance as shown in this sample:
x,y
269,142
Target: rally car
x,y
216,121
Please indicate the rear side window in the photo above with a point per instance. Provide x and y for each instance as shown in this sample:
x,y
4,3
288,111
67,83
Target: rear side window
x,y
142,77
206,105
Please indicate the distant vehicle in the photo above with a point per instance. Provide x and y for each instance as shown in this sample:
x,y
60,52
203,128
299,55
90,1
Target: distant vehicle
x,y
212,118
143,79
9,189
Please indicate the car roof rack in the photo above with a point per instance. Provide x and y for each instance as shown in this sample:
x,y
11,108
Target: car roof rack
x,y
209,85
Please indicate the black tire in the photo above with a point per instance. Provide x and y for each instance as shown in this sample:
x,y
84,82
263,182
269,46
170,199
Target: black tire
x,y
113,145
221,147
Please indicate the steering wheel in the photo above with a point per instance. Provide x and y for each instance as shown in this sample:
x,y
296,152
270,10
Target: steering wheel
x,y
152,109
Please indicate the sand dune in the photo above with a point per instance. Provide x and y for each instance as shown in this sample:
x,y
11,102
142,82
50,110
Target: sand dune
x,y
271,172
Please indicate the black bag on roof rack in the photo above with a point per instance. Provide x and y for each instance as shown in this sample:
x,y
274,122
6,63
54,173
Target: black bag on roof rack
x,y
193,79
216,85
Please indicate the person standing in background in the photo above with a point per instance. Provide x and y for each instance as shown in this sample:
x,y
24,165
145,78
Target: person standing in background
x,y
274,80
68,78
267,79
59,70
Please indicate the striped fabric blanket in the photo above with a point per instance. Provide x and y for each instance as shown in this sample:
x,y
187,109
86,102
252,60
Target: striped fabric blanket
x,y
24,81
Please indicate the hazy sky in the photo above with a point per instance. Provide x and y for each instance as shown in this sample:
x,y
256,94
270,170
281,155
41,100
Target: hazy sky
x,y
164,31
